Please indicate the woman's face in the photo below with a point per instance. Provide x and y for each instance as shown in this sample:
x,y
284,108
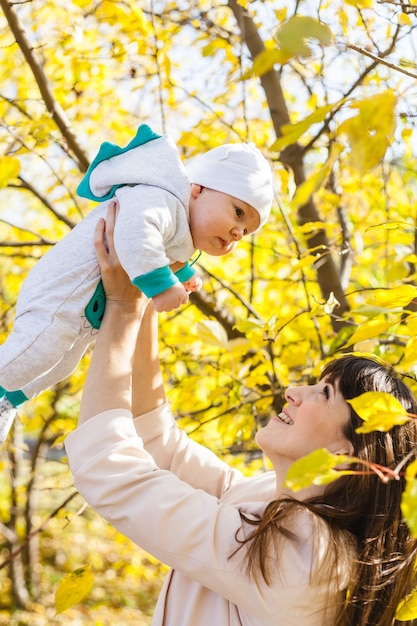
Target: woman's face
x,y
315,416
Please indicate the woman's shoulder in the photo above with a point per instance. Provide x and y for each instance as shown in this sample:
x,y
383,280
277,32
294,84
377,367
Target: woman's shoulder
x,y
246,489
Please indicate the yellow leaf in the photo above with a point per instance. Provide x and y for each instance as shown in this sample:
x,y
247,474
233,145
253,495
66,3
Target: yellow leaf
x,y
317,468
369,330
315,181
379,411
240,344
371,131
403,18
250,325
309,228
265,61
292,132
361,4
394,297
73,588
407,608
141,23
410,352
307,261
9,170
409,497
213,334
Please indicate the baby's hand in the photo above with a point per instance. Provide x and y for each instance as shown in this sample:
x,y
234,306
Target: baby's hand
x,y
194,283
170,299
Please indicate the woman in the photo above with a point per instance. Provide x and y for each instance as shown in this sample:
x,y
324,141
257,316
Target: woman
x,y
242,550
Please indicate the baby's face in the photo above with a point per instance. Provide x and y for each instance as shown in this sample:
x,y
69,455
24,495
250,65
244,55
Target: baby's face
x,y
219,221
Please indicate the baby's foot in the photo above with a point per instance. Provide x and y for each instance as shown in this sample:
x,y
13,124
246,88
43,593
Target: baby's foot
x,y
7,415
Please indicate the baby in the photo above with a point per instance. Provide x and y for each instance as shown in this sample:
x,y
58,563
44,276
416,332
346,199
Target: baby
x,y
166,213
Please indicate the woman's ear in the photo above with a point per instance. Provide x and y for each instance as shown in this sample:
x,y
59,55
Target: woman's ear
x,y
195,190
344,449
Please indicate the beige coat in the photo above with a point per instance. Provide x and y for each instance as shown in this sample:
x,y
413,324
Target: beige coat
x,y
178,501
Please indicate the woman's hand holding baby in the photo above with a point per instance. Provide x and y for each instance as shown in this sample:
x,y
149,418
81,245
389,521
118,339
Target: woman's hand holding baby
x,y
117,285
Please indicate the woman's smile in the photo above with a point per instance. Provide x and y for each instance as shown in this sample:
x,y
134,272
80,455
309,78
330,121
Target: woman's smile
x,y
283,417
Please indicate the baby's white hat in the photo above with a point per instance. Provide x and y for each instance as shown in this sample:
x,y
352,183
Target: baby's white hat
x,y
240,170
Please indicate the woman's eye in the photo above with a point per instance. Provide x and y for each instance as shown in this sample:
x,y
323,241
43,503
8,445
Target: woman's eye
x,y
326,391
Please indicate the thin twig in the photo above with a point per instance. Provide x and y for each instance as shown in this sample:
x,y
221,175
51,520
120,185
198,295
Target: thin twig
x,y
378,59
38,530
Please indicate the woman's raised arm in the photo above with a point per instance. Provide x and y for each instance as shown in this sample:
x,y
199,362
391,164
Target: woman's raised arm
x,y
148,391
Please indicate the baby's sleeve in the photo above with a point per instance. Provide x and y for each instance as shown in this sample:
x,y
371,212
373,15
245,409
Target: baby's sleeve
x,y
145,223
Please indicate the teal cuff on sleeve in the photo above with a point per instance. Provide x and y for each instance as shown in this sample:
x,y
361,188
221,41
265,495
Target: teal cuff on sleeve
x,y
155,282
16,397
185,273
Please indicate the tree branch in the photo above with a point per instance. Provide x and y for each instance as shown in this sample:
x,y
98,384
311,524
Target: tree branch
x,y
29,187
292,157
380,60
52,105
208,306
42,527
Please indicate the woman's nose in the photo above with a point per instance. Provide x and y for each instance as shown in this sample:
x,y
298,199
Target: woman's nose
x,y
293,395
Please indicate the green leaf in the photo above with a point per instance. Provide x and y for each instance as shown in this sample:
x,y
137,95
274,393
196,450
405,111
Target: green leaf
x,y
379,411
409,498
292,38
73,588
316,468
293,35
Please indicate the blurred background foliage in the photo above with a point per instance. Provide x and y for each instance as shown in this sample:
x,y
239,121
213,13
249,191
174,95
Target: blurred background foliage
x,y
327,90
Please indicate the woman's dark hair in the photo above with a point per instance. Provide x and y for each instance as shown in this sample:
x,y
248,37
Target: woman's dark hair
x,y
369,508
365,506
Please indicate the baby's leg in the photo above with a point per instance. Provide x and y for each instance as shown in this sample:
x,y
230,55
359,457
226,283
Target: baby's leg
x,y
7,414
60,370
34,347
35,357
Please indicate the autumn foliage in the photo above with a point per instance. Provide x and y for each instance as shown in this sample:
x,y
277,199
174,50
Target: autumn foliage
x,y
327,91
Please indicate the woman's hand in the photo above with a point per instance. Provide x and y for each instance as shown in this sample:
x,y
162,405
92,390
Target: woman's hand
x,y
117,285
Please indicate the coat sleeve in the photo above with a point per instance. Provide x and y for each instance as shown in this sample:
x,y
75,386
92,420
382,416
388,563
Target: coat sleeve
x,y
173,450
188,529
